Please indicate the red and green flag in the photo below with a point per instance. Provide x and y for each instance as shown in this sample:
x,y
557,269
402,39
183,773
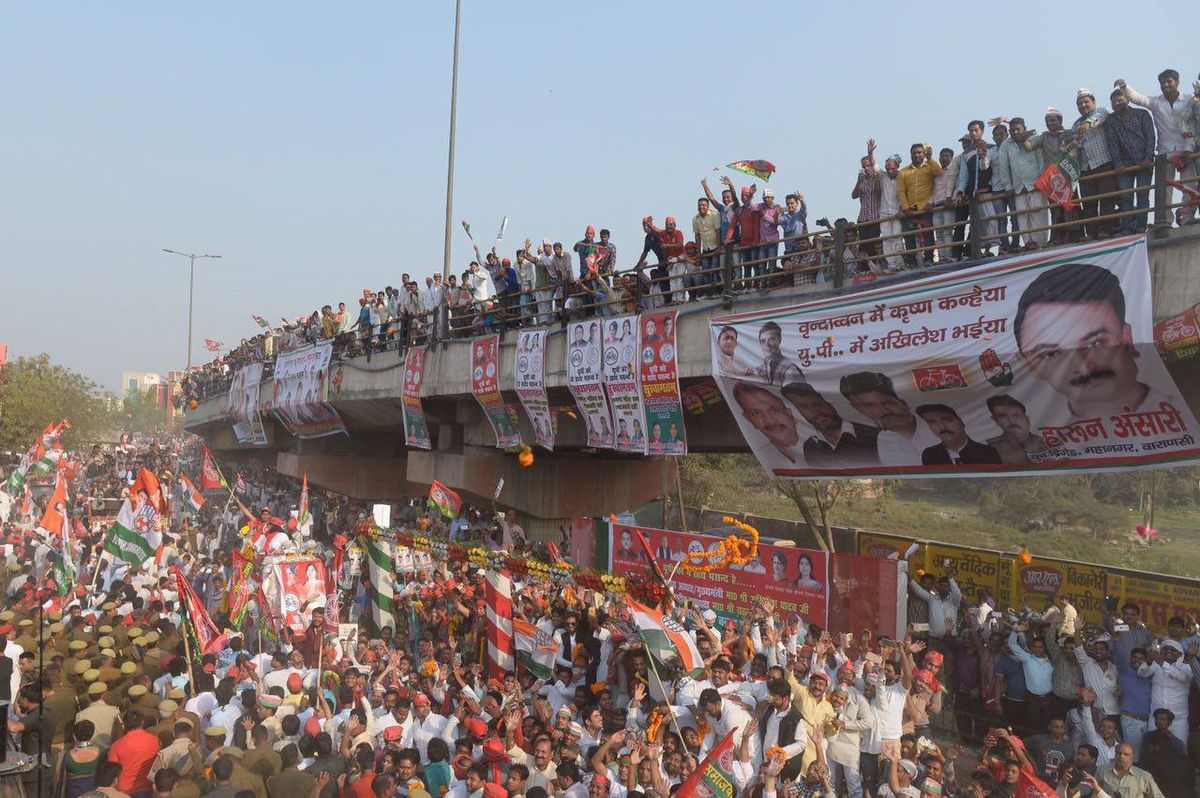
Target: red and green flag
x,y
756,167
712,778
1057,182
444,499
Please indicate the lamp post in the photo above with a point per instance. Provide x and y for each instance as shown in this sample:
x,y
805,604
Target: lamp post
x,y
191,290
450,163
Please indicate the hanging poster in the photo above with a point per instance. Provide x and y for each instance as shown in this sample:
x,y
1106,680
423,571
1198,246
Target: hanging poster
x,y
300,396
243,405
293,589
621,380
1028,365
584,377
530,384
660,384
416,429
485,385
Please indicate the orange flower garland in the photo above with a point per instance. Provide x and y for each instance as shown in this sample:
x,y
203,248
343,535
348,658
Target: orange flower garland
x,y
733,550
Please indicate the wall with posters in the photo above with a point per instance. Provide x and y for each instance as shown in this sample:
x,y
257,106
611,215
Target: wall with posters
x,y
1025,365
300,393
1017,584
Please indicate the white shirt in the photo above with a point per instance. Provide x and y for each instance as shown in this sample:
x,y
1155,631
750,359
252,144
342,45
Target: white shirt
x,y
226,717
1102,679
420,732
792,747
14,652
888,704
889,196
1169,685
941,610
1166,119
897,450
732,717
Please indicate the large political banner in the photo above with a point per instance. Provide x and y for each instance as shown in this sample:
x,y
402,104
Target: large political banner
x,y
485,386
1024,366
293,589
660,384
243,405
416,428
584,377
301,392
621,374
530,383
795,579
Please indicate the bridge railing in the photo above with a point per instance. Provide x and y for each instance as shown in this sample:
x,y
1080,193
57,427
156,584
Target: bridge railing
x,y
840,256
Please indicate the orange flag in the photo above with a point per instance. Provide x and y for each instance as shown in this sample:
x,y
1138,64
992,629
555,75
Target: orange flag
x,y
55,517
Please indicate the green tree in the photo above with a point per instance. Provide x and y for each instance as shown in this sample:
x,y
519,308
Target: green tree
x,y
35,392
140,411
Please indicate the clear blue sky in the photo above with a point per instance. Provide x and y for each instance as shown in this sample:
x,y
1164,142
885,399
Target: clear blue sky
x,y
306,142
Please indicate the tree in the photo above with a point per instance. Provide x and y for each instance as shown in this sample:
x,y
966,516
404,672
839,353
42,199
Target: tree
x,y
140,411
816,499
35,393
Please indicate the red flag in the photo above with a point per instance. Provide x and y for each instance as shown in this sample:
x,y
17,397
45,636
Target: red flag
x,y
712,778
210,475
199,625
1057,181
147,483
55,517
212,346
641,538
1030,786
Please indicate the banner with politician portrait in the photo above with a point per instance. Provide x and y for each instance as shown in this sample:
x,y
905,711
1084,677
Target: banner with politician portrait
x,y
293,589
1027,365
621,374
485,386
416,428
529,380
243,405
659,375
795,579
584,375
300,395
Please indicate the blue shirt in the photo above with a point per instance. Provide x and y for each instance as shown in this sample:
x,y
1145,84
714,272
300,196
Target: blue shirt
x,y
1014,676
794,224
1135,693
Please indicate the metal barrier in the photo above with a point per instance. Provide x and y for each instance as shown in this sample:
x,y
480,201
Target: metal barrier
x,y
843,254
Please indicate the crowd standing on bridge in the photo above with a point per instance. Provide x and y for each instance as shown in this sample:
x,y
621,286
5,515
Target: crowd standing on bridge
x,y
115,695
911,215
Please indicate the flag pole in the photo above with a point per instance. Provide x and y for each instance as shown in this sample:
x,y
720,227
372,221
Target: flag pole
x,y
670,712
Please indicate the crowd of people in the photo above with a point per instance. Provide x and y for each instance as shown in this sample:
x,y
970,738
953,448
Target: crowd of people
x,y
112,697
910,215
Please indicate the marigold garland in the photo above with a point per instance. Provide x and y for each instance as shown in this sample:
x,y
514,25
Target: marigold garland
x,y
732,550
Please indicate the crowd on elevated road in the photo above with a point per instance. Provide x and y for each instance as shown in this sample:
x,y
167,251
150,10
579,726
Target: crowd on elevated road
x,y
241,635
915,211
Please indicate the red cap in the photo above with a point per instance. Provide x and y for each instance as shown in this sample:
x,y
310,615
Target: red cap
x,y
670,220
505,262
294,684
591,230
421,700
393,733
933,658
312,727
475,726
493,748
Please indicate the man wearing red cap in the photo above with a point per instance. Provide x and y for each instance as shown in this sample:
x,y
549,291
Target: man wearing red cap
x,y
748,227
427,724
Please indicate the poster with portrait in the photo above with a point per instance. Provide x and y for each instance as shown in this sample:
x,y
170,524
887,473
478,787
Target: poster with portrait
x,y
243,405
293,589
621,374
416,428
485,386
584,375
530,383
300,393
795,579
659,375
1027,365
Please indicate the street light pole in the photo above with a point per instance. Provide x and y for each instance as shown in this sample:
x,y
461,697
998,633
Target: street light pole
x,y
191,293
450,165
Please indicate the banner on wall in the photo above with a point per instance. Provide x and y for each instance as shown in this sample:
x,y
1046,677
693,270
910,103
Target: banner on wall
x,y
294,588
621,374
701,397
300,396
243,405
1160,599
530,384
796,579
416,428
1023,366
584,376
660,384
485,386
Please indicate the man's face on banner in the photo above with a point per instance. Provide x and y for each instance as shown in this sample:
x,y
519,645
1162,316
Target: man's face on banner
x,y
1082,349
1011,420
768,415
885,410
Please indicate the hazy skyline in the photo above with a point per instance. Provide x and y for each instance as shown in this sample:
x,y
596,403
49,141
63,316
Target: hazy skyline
x,y
306,144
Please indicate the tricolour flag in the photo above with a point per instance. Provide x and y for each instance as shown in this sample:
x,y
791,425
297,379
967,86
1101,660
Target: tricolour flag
x,y
756,167
444,499
54,520
194,497
211,477
498,598
712,778
303,516
535,649
260,321
62,561
132,537
381,555
666,639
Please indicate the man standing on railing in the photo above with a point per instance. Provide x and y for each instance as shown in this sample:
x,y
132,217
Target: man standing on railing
x,y
866,191
975,181
706,227
1052,143
435,303
1095,163
942,202
748,228
1002,203
795,225
768,233
1130,134
1022,168
889,214
915,188
652,243
1167,110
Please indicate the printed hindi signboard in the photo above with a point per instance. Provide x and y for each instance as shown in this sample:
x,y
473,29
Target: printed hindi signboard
x,y
584,375
301,392
660,384
1028,365
529,379
416,428
485,386
621,374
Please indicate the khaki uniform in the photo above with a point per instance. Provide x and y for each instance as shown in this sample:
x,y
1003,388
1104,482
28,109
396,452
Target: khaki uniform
x,y
266,762
290,783
106,719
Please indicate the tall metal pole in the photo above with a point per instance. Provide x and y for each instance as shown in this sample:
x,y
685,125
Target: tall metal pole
x,y
446,247
191,290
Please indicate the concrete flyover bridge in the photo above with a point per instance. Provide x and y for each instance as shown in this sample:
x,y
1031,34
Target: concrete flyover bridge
x,y
372,462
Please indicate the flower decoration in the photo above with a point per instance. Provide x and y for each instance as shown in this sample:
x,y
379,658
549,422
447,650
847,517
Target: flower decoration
x,y
731,551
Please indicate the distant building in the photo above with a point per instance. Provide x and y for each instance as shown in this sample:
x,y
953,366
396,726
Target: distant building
x,y
138,382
